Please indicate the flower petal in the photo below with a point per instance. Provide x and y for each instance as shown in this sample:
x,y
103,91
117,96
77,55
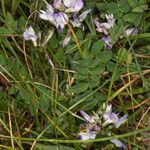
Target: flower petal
x,y
118,143
84,15
73,5
87,135
121,121
87,117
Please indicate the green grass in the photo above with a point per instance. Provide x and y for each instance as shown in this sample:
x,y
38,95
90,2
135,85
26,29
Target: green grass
x,y
43,88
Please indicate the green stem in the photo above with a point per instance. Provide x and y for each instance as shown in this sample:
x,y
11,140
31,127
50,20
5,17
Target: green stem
x,y
80,141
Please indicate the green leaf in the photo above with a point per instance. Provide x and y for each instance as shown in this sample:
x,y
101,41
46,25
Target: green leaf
x,y
93,81
142,1
11,23
44,103
124,6
94,62
105,56
97,47
22,24
119,72
80,77
98,70
113,8
111,66
122,55
102,6
129,59
133,3
86,44
79,88
82,70
132,18
79,35
5,31
140,8
89,104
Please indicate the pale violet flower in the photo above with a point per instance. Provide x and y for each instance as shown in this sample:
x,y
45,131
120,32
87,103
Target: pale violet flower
x,y
105,26
73,5
84,15
110,19
86,135
58,4
48,14
88,118
102,27
59,19
91,121
77,20
131,31
121,121
112,118
118,143
29,34
107,42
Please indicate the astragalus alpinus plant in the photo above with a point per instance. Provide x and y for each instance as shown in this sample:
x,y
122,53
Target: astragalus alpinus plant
x,y
74,74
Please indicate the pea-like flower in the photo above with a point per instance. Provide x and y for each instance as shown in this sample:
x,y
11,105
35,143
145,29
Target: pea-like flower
x,y
105,26
110,19
59,19
131,31
29,34
48,14
111,117
77,21
107,41
73,5
118,143
86,135
58,4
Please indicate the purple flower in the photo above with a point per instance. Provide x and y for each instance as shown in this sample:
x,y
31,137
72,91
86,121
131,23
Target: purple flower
x,y
110,19
29,34
58,4
121,121
48,14
86,135
118,143
107,42
88,118
111,117
77,20
84,15
73,5
102,27
105,26
131,31
91,121
61,20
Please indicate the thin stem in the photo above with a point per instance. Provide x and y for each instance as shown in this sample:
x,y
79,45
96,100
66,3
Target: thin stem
x,y
76,40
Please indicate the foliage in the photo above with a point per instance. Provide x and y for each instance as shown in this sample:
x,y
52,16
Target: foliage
x,y
43,88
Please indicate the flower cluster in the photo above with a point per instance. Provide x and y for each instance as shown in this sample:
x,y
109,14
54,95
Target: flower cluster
x,y
95,122
104,27
60,12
